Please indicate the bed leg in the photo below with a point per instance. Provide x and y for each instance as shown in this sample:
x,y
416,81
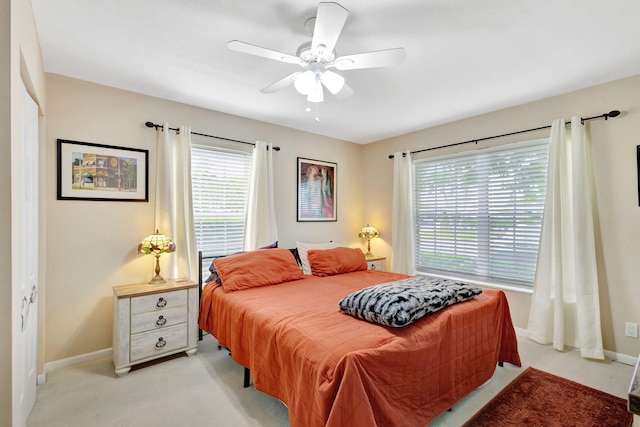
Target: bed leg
x,y
247,378
501,364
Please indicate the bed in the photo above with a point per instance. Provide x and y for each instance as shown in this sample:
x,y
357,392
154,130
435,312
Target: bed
x,y
333,369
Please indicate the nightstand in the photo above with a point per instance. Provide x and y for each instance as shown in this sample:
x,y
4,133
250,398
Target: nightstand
x,y
376,263
153,321
633,403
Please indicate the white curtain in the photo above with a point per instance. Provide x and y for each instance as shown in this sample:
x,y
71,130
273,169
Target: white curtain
x,y
402,241
260,225
174,206
565,309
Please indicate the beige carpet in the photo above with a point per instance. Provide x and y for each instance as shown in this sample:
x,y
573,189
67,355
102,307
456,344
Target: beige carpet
x,y
206,390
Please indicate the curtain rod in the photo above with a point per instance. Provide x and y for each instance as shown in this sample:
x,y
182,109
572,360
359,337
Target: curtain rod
x,y
156,126
612,113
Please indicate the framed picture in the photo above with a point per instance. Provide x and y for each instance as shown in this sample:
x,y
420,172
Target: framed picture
x,y
102,172
317,183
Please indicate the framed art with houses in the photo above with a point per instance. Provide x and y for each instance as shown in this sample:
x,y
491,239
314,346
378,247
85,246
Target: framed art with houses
x,y
317,184
89,171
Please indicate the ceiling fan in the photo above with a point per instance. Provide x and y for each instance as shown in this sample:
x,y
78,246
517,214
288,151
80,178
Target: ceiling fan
x,y
318,56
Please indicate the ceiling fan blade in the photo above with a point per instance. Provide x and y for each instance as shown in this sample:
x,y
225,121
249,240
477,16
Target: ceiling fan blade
x,y
330,19
332,81
251,49
281,84
345,92
380,58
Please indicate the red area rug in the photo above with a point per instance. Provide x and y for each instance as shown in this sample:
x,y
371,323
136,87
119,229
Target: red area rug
x,y
537,398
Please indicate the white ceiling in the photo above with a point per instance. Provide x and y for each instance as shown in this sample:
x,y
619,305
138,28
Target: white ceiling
x,y
463,57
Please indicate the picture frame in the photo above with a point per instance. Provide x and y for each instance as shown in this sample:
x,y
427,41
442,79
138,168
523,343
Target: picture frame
x,y
317,196
98,172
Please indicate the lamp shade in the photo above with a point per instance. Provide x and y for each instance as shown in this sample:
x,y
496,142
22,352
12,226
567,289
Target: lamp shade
x,y
368,232
156,243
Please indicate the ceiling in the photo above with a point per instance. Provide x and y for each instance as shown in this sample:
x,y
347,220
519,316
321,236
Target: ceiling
x,y
463,57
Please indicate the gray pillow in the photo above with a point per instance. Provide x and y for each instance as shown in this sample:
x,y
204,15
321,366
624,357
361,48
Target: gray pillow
x,y
402,302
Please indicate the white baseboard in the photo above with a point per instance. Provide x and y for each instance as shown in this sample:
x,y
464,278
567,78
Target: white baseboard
x,y
70,361
609,355
521,332
622,358
41,379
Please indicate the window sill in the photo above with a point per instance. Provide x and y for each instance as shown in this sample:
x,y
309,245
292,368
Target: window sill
x,y
515,289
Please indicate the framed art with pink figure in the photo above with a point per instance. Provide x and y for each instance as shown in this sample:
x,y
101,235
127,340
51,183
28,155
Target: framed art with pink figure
x,y
317,183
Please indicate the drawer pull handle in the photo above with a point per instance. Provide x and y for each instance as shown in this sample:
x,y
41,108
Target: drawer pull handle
x,y
161,302
161,321
373,266
161,343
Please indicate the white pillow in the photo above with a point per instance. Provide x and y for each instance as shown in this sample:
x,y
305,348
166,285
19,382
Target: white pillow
x,y
304,247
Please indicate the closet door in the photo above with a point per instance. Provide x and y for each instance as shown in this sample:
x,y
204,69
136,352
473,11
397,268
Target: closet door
x,y
24,196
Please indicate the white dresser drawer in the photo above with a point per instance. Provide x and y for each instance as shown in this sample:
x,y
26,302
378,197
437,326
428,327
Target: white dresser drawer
x,y
159,301
376,265
158,319
155,343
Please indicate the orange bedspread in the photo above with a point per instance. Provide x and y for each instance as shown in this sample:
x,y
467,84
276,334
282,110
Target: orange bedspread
x,y
334,370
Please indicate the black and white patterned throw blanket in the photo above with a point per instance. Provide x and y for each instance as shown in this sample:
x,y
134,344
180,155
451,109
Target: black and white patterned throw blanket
x,y
402,302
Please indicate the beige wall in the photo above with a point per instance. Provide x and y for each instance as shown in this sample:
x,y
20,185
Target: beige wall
x,y
614,152
20,60
91,245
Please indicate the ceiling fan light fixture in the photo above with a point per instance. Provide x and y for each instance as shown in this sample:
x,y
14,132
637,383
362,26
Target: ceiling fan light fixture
x,y
333,81
316,94
305,82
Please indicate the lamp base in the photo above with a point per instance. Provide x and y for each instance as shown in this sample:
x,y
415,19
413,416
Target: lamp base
x,y
369,253
157,280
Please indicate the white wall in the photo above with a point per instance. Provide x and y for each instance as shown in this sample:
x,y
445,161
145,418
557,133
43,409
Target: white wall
x,y
614,151
91,245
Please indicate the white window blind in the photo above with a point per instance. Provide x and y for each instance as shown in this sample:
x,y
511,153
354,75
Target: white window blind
x,y
220,187
479,216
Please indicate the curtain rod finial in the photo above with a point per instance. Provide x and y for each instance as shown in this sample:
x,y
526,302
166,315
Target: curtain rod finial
x,y
613,113
149,124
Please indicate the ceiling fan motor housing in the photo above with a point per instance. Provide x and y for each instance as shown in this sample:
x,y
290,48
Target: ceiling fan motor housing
x,y
307,54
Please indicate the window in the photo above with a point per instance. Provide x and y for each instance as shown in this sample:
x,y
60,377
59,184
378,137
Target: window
x,y
220,188
478,216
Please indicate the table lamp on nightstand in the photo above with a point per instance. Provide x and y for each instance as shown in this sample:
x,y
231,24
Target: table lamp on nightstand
x,y
156,244
368,232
